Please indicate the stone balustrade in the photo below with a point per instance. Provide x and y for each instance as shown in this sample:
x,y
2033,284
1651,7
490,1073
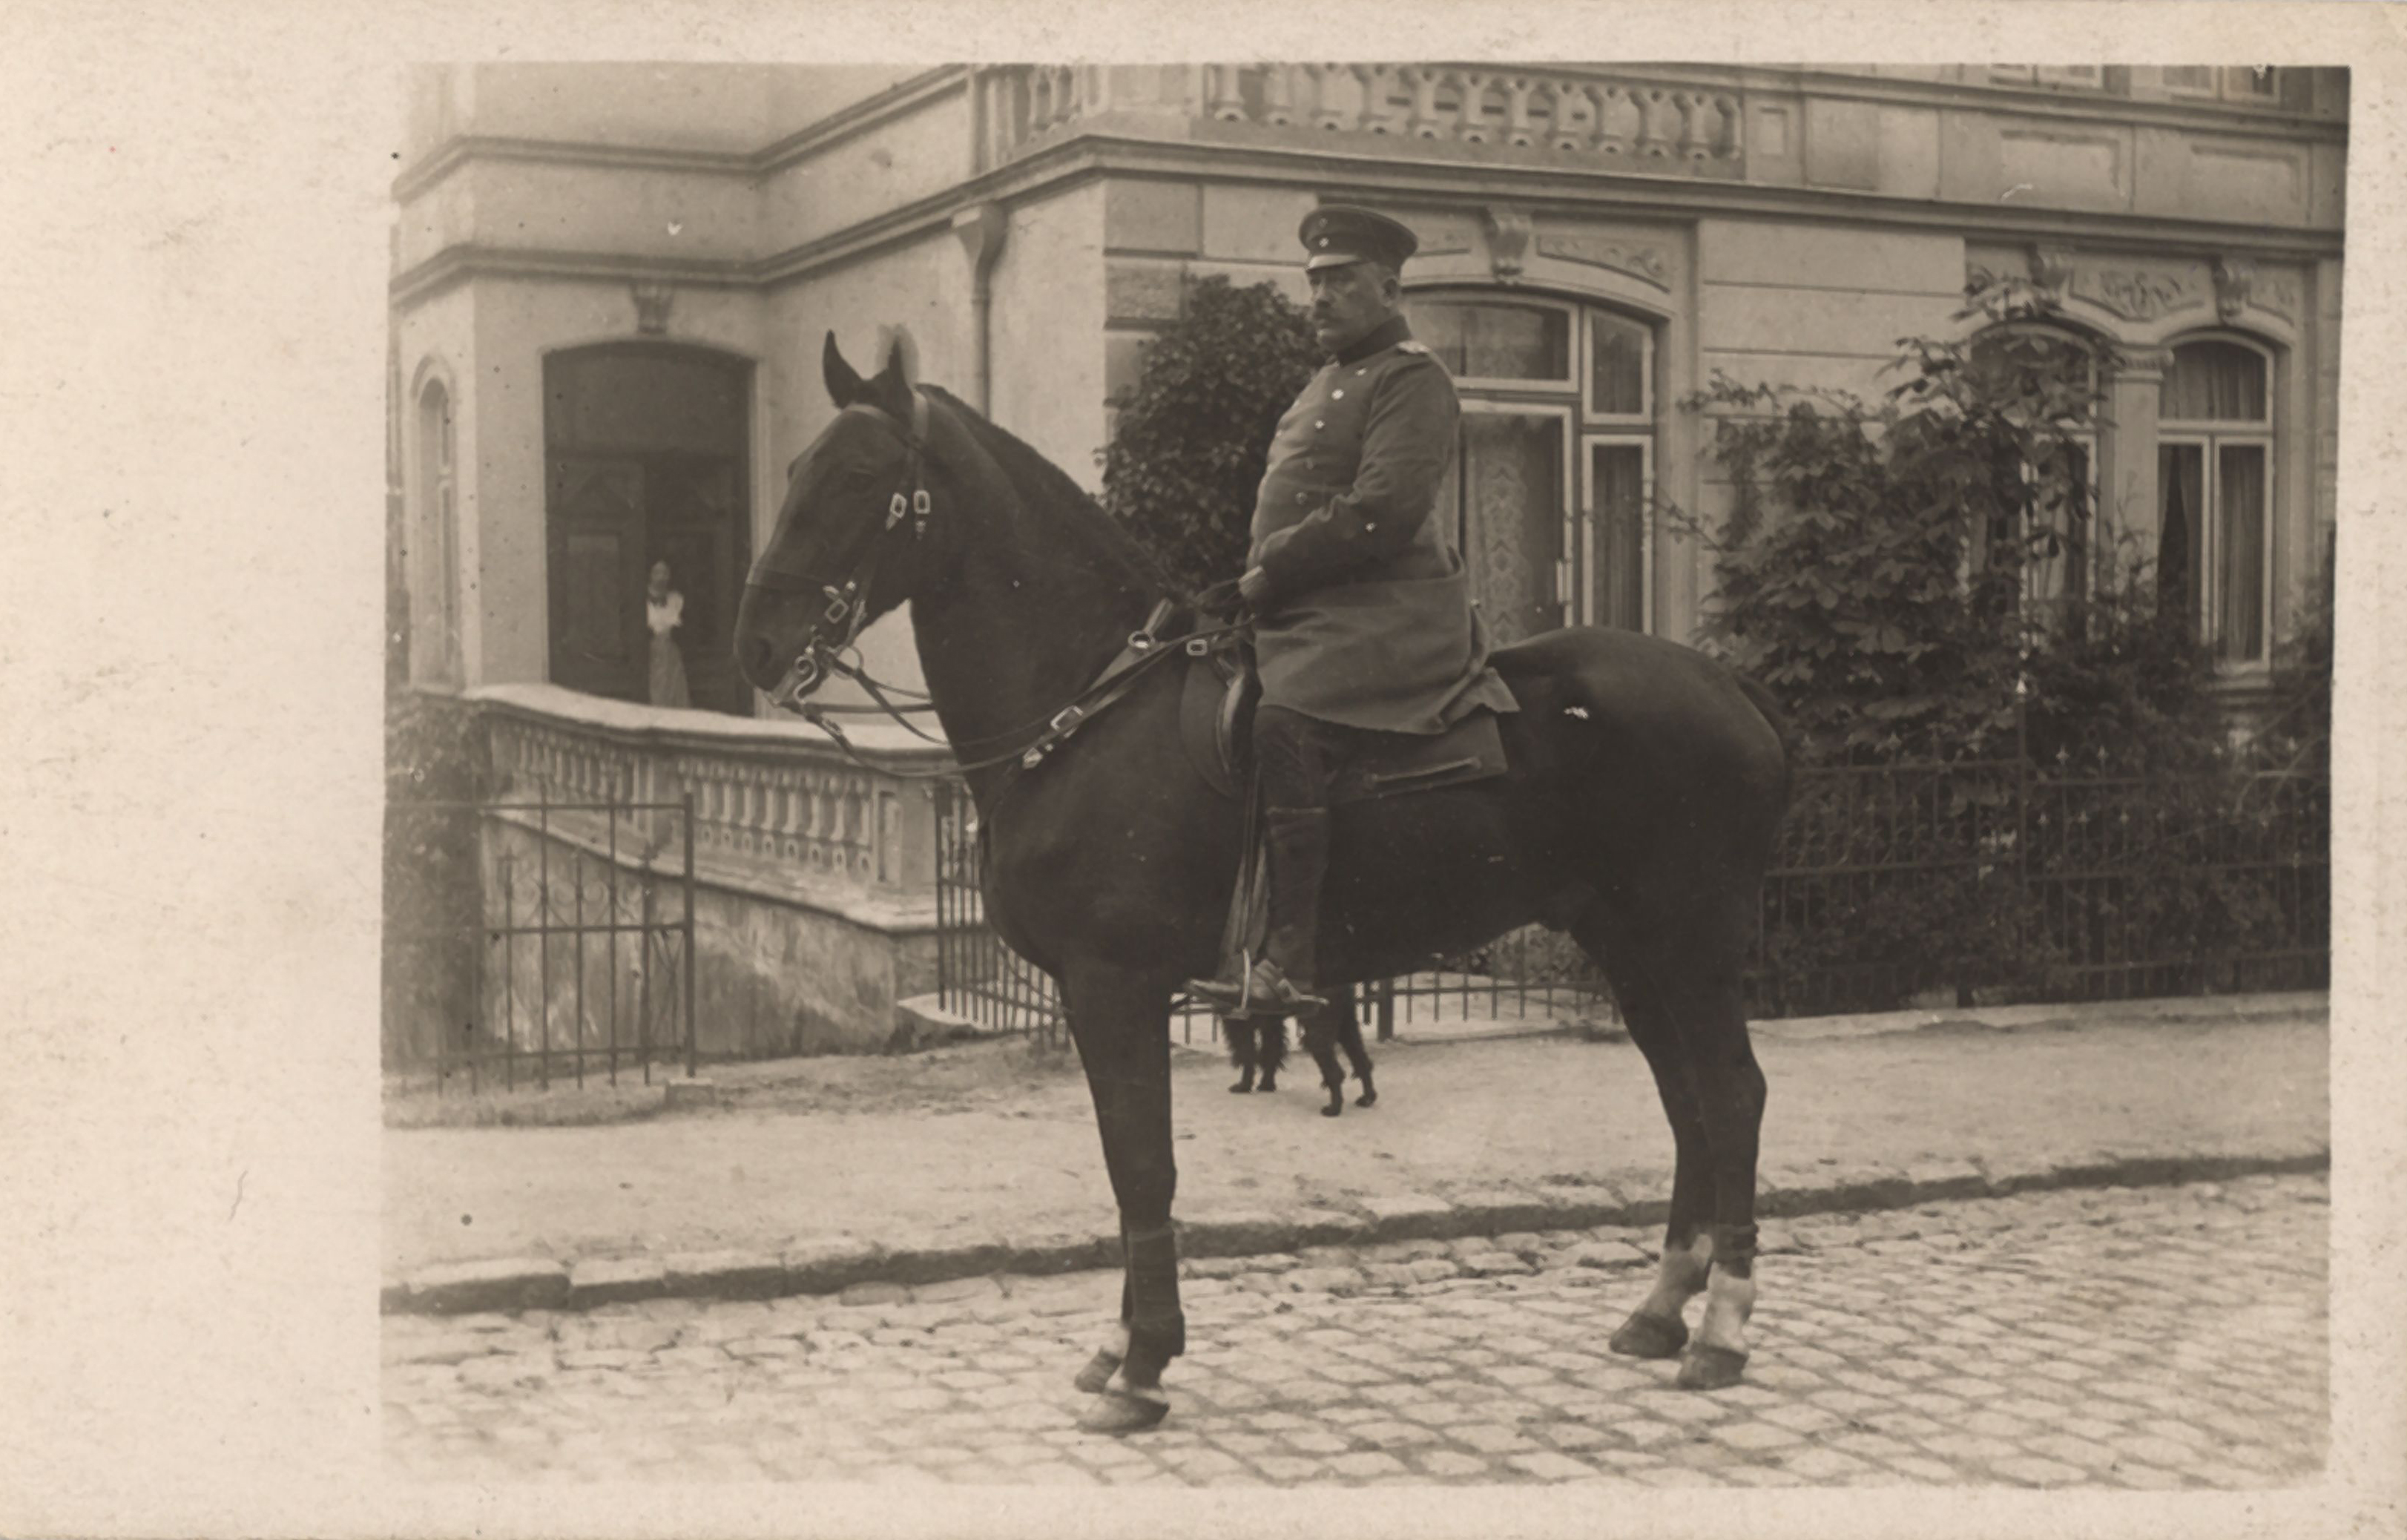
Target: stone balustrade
x,y
777,808
1599,117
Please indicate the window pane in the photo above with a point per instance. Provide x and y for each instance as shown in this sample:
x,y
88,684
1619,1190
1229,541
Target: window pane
x,y
2240,551
2058,569
2190,77
2181,479
1617,483
2213,382
1484,341
1617,370
1510,481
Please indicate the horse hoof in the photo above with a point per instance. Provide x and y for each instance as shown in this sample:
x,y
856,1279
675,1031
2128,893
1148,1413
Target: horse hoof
x,y
1119,1414
1369,1098
1645,1336
1333,1109
1241,1089
1711,1368
1267,1086
1098,1372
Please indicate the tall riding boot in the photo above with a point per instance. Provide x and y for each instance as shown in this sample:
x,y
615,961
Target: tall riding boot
x,y
1281,982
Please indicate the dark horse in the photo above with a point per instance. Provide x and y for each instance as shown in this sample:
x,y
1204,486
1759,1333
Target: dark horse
x,y
1646,783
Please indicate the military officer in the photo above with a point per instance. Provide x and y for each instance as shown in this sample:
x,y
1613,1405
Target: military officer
x,y
1363,617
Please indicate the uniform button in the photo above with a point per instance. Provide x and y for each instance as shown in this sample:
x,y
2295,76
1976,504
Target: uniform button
x,y
1369,526
1301,498
1319,425
1362,371
1337,396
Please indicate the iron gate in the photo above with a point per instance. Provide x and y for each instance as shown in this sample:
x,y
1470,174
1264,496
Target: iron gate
x,y
575,954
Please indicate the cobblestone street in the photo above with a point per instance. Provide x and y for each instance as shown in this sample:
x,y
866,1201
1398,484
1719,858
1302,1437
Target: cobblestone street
x,y
2162,1337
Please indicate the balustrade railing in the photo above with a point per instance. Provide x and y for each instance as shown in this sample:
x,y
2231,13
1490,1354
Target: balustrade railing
x,y
1606,117
773,801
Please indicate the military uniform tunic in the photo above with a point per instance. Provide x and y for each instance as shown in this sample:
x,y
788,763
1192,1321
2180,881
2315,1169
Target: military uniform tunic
x,y
1369,622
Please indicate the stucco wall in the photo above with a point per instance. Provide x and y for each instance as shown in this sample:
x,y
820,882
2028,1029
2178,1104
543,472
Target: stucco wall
x,y
1048,330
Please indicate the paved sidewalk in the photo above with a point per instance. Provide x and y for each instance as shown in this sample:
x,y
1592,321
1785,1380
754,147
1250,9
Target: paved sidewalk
x,y
1469,1136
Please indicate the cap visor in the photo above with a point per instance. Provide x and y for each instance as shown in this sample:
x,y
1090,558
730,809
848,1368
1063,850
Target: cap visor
x,y
1330,258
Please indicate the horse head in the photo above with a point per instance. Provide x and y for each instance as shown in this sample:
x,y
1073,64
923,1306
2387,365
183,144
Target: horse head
x,y
844,546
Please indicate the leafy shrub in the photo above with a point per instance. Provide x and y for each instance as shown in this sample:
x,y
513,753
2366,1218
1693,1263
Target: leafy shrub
x,y
1194,436
432,894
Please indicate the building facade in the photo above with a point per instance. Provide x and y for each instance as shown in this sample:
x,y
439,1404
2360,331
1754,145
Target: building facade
x,y
611,283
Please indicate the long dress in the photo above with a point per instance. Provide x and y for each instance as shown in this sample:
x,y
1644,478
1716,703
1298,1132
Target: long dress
x,y
668,664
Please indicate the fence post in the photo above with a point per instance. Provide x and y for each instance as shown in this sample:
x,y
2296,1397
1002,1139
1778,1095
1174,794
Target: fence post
x,y
692,958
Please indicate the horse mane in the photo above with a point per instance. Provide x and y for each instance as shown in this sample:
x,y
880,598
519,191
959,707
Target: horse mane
x,y
1035,476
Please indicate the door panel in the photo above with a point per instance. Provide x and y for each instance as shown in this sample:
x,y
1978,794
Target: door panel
x,y
596,567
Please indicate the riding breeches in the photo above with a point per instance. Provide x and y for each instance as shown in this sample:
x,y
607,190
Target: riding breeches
x,y
1298,757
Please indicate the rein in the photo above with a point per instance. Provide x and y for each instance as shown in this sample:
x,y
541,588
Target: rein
x,y
848,605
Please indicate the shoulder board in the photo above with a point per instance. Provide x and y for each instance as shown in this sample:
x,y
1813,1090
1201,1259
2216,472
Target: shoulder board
x,y
1408,345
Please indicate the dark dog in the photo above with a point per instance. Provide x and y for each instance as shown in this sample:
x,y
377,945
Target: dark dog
x,y
1257,1048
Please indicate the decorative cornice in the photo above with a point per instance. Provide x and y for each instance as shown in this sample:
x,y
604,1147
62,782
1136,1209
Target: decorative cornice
x,y
1546,192
895,101
847,122
455,153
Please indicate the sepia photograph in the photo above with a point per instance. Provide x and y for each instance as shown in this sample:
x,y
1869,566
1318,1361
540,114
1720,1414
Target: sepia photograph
x,y
1707,687
1439,770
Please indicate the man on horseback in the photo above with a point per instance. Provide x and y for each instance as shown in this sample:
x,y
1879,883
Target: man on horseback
x,y
1363,623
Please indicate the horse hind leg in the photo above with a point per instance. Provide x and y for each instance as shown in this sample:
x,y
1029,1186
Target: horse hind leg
x,y
1659,1023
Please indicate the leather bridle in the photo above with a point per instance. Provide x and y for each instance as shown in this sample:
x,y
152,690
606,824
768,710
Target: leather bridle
x,y
848,602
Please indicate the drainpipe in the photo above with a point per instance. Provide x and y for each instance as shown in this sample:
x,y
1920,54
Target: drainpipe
x,y
980,228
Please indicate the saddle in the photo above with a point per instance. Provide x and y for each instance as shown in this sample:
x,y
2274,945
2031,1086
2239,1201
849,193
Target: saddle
x,y
1216,719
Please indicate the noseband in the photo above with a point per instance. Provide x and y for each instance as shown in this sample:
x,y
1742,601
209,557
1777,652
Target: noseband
x,y
848,603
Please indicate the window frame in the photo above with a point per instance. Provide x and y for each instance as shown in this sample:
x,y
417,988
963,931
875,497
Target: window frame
x,y
1573,400
2211,436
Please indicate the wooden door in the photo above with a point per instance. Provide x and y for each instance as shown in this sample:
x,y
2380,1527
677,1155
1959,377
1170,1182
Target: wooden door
x,y
596,567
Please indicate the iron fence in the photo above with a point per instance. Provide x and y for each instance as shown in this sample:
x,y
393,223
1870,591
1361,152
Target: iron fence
x,y
579,960
1894,886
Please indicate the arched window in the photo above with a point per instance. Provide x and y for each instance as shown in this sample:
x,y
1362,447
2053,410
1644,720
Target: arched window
x,y
2214,477
435,643
1555,458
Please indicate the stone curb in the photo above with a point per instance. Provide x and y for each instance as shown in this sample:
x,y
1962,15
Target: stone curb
x,y
843,1264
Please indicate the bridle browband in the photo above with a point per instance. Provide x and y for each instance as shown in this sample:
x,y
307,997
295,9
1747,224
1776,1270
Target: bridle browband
x,y
848,603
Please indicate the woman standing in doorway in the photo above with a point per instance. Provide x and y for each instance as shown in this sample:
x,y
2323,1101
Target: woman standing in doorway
x,y
663,612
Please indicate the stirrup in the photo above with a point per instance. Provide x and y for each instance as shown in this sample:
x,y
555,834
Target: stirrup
x,y
1262,1002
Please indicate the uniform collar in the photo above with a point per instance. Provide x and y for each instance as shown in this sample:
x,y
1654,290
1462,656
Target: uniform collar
x,y
1378,339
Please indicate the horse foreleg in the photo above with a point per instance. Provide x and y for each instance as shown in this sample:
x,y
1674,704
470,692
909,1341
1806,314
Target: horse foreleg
x,y
1120,1022
1729,1101
1244,1051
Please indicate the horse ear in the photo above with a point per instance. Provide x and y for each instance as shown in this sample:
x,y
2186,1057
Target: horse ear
x,y
844,384
898,363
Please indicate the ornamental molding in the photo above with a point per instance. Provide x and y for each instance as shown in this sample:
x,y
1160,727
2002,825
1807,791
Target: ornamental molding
x,y
1508,241
652,302
2137,294
1648,263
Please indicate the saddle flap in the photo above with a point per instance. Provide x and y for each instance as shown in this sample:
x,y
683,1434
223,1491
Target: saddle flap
x,y
1471,750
